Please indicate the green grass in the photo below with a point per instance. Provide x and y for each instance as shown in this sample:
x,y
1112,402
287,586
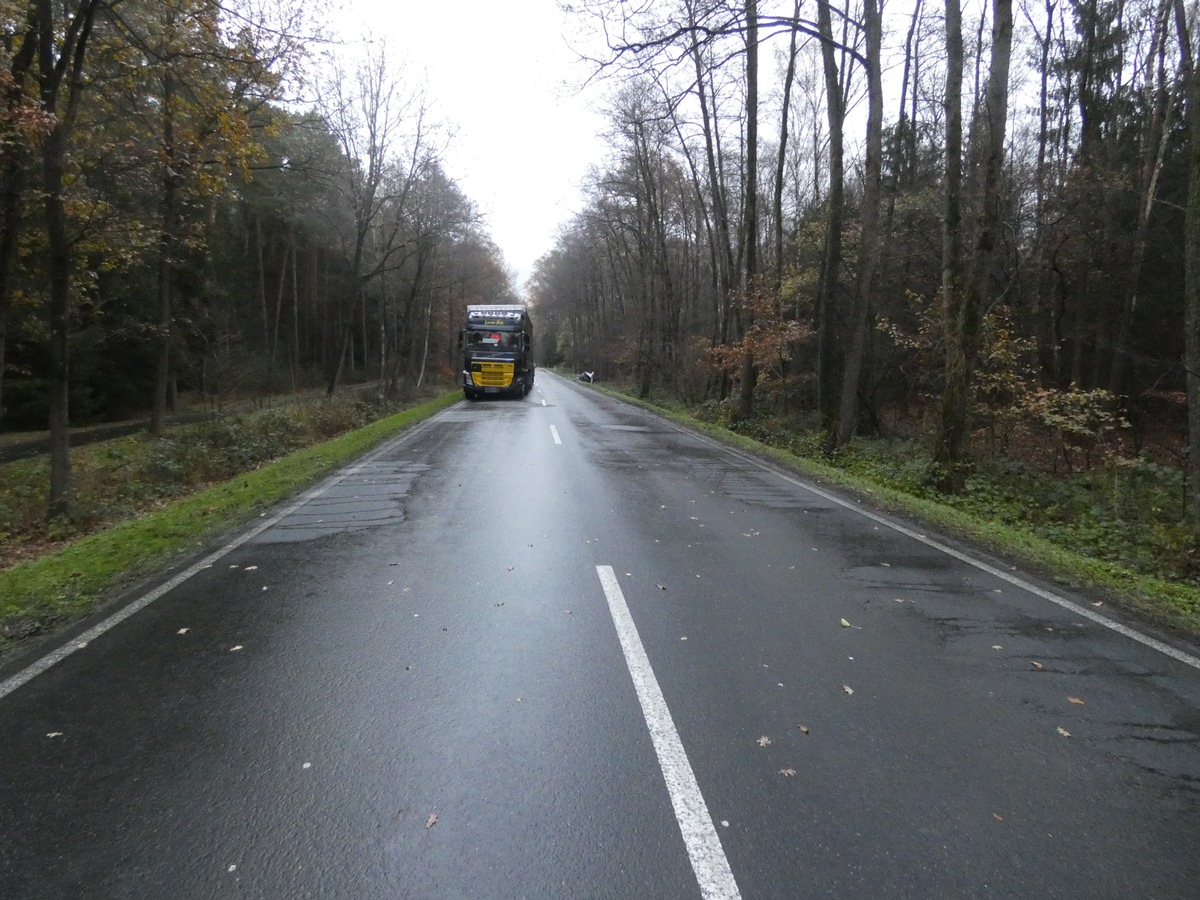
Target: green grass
x,y
1113,533
54,590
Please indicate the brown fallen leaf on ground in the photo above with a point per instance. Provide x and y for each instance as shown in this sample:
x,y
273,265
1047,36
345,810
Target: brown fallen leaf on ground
x,y
1063,731
847,689
1038,666
1075,700
998,817
431,821
787,773
803,729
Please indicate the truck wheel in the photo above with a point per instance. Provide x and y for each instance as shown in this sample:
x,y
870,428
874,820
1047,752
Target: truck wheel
x,y
470,394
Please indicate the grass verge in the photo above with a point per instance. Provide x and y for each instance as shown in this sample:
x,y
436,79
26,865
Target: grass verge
x,y
53,591
1162,602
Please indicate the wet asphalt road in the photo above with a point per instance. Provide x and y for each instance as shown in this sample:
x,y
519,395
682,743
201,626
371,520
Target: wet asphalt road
x,y
422,682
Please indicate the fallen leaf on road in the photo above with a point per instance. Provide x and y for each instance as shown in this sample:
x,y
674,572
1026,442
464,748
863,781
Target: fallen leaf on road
x,y
998,817
846,624
997,647
1075,700
250,569
787,773
233,649
182,631
661,587
54,734
431,821
1038,666
764,741
803,729
1063,731
847,689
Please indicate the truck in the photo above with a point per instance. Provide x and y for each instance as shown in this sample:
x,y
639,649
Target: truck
x,y
497,351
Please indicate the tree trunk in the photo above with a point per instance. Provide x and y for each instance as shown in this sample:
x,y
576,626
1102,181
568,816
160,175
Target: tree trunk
x,y
58,249
295,348
746,399
166,253
60,52
1191,248
788,78
831,262
14,178
1155,135
951,455
869,252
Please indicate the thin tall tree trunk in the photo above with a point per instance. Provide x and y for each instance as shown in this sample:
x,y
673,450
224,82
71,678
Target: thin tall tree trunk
x,y
166,254
1155,136
869,253
831,262
280,291
61,51
750,236
788,78
1190,67
295,354
963,339
16,163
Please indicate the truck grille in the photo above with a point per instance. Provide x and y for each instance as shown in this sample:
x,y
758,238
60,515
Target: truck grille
x,y
492,374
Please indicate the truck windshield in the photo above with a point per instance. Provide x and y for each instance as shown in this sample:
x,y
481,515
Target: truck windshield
x,y
493,340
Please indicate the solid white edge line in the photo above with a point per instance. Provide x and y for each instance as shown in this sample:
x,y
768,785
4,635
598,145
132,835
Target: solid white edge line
x,y
1111,624
56,656
699,834
554,434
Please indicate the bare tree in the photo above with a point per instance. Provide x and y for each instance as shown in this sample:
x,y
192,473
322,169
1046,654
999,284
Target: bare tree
x,y
61,50
869,252
1191,356
965,310
375,118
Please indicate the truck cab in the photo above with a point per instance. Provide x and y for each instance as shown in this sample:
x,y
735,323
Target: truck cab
x,y
497,350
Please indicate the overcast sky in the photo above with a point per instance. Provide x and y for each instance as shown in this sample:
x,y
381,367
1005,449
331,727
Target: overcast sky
x,y
501,73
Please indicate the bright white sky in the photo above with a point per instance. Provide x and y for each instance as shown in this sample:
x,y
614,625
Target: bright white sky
x,y
501,74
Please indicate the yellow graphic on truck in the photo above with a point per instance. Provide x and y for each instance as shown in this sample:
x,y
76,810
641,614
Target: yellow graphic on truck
x,y
492,374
